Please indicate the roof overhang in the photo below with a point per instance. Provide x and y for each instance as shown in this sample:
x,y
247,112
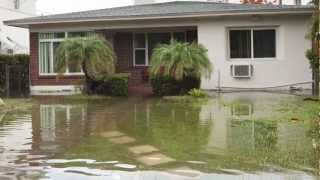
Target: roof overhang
x,y
25,23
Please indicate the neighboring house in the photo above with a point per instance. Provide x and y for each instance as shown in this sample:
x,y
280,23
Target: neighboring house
x,y
251,46
13,39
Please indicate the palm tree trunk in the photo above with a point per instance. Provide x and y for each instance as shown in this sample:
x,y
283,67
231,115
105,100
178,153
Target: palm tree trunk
x,y
316,80
88,80
316,49
316,69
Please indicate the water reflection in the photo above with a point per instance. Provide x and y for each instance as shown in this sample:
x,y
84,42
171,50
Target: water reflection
x,y
57,126
155,139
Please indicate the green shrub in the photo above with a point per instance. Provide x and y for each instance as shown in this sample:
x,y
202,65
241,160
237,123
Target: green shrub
x,y
21,59
117,85
313,58
168,86
197,93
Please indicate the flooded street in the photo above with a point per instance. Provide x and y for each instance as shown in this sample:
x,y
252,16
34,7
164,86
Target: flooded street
x,y
234,136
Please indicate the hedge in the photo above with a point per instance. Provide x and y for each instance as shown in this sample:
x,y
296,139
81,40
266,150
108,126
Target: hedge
x,y
167,86
116,85
17,59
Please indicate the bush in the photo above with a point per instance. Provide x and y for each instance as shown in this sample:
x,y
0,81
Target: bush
x,y
116,85
313,59
197,93
168,86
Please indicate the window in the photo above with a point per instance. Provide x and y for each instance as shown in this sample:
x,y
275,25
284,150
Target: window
x,y
144,44
252,43
17,4
154,39
140,49
180,36
264,43
48,44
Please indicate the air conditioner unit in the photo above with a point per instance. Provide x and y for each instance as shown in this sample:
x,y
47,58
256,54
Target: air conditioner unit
x,y
241,71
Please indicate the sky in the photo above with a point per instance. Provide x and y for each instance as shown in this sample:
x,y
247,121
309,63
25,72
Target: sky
x,y
62,6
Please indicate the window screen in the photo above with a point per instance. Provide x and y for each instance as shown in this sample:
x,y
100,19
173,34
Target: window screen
x,y
240,44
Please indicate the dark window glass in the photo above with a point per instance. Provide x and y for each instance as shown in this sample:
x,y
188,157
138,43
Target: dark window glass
x,y
179,36
240,44
76,34
74,67
55,47
264,42
139,40
59,35
192,36
154,39
85,34
140,57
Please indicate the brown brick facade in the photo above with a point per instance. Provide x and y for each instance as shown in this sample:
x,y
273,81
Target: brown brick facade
x,y
123,46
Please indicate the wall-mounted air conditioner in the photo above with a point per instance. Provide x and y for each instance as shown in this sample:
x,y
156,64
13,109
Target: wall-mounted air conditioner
x,y
241,71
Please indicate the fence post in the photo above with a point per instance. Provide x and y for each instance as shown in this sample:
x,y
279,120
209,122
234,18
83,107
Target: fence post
x,y
7,80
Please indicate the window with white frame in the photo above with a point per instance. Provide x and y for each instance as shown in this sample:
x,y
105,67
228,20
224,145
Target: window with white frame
x,y
144,43
140,49
48,44
252,43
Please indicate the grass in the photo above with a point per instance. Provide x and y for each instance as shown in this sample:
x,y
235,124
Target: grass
x,y
299,110
16,105
184,99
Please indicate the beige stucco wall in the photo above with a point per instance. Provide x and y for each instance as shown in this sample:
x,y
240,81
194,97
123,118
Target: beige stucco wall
x,y
288,68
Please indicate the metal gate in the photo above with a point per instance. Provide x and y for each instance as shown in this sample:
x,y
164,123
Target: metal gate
x,y
14,81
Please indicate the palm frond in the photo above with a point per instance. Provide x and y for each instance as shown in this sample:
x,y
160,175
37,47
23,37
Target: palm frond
x,y
181,59
93,54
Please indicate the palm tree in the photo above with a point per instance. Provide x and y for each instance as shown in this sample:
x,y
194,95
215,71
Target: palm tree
x,y
179,60
93,54
314,35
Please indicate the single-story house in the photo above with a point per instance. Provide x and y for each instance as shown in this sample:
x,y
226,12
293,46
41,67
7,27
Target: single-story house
x,y
251,46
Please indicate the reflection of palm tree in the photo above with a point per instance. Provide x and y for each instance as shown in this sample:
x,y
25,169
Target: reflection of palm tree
x,y
1,102
2,116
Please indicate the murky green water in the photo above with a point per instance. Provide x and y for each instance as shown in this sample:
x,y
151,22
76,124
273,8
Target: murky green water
x,y
232,136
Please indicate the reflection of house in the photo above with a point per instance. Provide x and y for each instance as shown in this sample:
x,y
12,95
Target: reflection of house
x,y
12,39
249,134
244,42
58,123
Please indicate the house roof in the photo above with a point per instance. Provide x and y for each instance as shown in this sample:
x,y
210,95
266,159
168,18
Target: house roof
x,y
173,9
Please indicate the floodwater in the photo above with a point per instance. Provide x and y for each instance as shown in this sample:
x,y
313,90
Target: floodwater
x,y
232,136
